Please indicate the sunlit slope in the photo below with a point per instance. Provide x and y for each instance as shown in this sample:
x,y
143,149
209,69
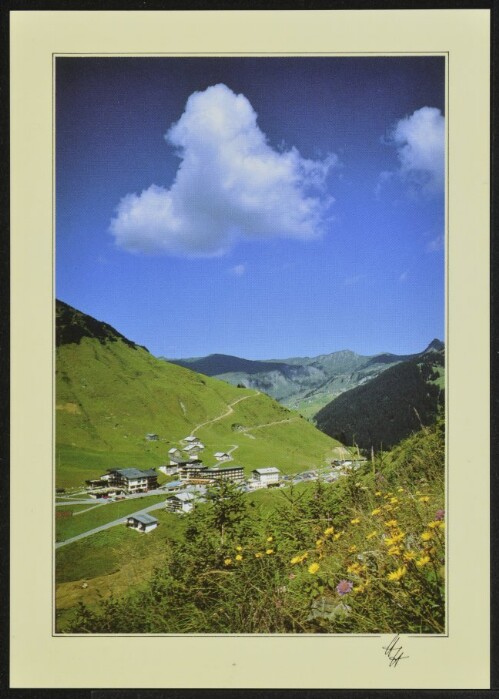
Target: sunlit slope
x,y
110,393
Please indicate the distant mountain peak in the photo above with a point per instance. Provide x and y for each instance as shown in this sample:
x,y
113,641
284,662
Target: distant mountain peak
x,y
435,345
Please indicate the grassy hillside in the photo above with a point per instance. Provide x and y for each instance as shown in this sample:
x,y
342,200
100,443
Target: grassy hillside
x,y
110,393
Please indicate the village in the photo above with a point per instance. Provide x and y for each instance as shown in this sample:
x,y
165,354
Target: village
x,y
192,479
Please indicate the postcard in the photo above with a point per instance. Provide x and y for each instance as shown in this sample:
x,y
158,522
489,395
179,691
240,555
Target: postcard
x,y
250,340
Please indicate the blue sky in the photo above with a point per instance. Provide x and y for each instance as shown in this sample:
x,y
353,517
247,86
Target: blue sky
x,y
262,207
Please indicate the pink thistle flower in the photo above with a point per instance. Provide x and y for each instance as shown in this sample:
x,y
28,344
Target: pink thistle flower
x,y
439,515
344,587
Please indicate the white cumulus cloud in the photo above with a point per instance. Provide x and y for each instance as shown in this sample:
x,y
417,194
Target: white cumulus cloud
x,y
420,143
230,183
237,270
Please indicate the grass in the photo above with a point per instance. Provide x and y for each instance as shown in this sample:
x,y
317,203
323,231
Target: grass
x,y
110,396
68,527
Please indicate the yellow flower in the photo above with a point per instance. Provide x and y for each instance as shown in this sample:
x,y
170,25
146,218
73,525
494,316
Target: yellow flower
x,y
355,521
441,525
355,568
391,523
395,538
371,535
422,561
394,501
270,538
228,561
239,548
426,536
258,554
425,498
337,536
295,560
269,551
376,511
400,490
397,574
359,588
394,551
319,543
388,508
352,549
432,525
378,493
328,531
313,568
239,557
409,556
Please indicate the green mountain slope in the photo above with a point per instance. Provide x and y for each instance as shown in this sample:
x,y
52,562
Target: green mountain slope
x,y
111,392
390,407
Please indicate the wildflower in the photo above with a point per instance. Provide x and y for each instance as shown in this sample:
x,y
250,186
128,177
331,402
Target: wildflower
x,y
433,525
395,538
352,549
422,561
394,501
269,551
228,561
409,556
426,536
371,535
239,548
376,511
441,525
391,523
337,536
400,490
319,543
354,568
313,568
270,538
439,515
355,521
397,574
388,508
344,587
239,557
378,493
425,498
359,588
394,551
295,560
258,554
328,531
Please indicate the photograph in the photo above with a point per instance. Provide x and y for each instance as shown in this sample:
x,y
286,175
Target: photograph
x,y
250,304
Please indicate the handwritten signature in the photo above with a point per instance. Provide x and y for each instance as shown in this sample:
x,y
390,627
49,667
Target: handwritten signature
x,y
394,652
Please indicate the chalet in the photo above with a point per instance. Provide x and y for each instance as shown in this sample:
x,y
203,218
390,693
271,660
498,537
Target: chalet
x,y
222,456
182,502
175,455
152,437
169,469
173,486
142,523
193,450
265,476
132,480
192,440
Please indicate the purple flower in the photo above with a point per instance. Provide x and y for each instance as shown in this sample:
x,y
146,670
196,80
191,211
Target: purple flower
x,y
344,587
439,515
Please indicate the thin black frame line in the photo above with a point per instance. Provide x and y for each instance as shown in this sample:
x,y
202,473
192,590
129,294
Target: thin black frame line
x,y
446,56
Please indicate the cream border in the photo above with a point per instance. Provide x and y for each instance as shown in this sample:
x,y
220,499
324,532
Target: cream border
x,y
40,660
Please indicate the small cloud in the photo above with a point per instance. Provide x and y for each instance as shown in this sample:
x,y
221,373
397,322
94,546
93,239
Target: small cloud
x,y
419,140
237,270
404,276
436,244
351,281
230,184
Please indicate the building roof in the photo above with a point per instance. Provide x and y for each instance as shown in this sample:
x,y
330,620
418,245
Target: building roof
x,y
174,484
193,462
221,453
173,450
190,439
184,497
264,471
134,472
222,469
144,518
194,446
